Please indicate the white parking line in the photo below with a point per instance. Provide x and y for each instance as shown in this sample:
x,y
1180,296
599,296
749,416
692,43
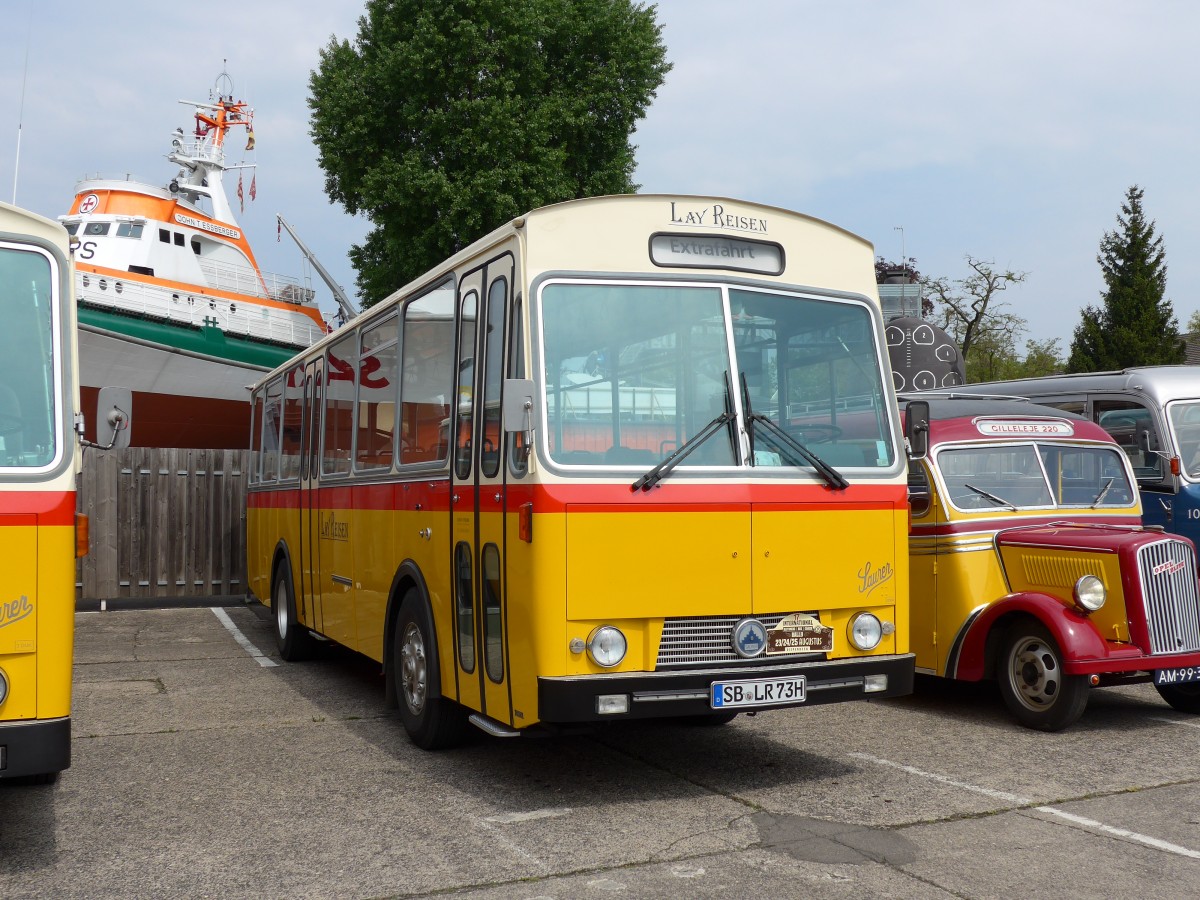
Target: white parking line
x,y
259,657
1048,810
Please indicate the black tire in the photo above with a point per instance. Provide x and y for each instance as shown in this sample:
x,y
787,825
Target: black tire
x,y
1183,697
44,778
295,642
433,722
1033,684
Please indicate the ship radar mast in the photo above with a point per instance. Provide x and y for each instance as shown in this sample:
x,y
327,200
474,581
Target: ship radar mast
x,y
201,160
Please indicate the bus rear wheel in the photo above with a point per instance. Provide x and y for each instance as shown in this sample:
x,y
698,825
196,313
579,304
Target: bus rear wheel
x,y
1183,697
433,722
295,642
1033,684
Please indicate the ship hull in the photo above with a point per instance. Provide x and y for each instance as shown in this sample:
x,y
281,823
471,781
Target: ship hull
x,y
182,396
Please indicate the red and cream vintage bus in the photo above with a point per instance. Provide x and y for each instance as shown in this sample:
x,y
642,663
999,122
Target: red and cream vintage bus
x,y
624,457
1030,564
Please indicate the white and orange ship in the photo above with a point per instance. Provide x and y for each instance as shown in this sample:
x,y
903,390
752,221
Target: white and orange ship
x,y
172,303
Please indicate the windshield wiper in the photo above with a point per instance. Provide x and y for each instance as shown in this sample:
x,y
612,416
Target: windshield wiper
x,y
982,493
659,472
782,439
1103,493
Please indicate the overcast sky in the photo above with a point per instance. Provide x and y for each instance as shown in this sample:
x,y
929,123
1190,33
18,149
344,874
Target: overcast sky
x,y
1009,132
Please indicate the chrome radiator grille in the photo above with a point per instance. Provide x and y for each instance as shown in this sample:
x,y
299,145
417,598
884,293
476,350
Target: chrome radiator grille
x,y
705,640
1169,591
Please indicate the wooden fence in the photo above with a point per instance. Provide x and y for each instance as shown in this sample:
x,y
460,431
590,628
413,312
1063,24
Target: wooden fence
x,y
164,523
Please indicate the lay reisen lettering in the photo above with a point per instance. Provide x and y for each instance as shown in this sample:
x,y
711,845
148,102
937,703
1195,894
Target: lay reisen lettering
x,y
716,217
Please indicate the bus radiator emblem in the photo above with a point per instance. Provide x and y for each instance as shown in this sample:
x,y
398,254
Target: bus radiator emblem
x,y
748,638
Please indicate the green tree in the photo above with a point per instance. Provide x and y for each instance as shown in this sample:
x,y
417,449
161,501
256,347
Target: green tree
x,y
443,120
970,311
1135,325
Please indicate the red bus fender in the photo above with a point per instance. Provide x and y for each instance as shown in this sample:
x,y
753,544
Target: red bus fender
x,y
1076,635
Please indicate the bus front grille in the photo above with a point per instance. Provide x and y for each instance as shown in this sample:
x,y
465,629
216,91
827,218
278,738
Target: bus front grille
x,y
706,640
1169,592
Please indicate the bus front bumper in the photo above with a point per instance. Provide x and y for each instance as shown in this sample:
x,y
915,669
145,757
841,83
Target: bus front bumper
x,y
34,747
651,695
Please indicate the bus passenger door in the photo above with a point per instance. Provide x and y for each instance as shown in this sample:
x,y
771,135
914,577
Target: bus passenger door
x,y
308,591
478,500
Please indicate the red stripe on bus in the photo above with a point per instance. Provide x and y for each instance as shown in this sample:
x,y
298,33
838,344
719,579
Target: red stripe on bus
x,y
51,507
556,497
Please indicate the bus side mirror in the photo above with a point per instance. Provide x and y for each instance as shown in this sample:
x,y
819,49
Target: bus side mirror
x,y
1144,442
916,429
520,410
114,407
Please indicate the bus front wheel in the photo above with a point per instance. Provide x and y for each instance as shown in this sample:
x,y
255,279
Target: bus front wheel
x,y
1183,697
295,642
432,722
1033,684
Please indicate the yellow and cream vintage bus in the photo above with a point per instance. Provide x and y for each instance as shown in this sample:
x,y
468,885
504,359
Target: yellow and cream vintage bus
x,y
40,533
624,457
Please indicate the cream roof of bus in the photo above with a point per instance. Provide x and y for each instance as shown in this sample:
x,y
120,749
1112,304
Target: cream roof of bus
x,y
612,234
39,226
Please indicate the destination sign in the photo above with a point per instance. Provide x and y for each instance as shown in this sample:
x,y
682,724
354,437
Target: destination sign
x,y
1024,428
712,252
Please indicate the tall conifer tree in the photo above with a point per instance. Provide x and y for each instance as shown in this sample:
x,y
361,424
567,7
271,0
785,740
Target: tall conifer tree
x,y
1136,324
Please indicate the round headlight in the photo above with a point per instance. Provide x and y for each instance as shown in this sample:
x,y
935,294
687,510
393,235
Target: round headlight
x,y
866,631
606,646
1090,593
3,687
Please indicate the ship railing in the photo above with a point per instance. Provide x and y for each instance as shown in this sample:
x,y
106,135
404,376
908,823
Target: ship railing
x,y
254,320
245,280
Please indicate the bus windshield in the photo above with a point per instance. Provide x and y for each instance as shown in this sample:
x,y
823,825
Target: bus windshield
x,y
1029,476
635,371
28,403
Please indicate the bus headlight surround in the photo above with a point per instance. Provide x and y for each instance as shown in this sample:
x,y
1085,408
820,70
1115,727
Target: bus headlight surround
x,y
865,631
1090,593
3,687
606,646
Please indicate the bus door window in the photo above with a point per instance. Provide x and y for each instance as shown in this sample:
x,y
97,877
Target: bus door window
x,y
463,504
518,461
1125,420
466,387
491,531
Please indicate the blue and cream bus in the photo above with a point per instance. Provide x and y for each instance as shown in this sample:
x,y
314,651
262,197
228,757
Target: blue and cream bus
x,y
1153,412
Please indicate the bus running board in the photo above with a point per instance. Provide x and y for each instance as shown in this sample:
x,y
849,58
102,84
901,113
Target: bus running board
x,y
492,727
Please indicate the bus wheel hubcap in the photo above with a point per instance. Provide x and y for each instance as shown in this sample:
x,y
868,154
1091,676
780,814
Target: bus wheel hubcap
x,y
413,668
1035,673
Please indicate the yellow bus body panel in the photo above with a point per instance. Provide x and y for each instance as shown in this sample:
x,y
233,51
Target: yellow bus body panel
x,y
37,620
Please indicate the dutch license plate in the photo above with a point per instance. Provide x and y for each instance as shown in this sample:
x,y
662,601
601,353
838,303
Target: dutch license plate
x,y
757,692
1177,676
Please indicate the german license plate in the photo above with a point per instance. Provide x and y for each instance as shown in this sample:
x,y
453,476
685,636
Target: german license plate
x,y
757,692
1177,676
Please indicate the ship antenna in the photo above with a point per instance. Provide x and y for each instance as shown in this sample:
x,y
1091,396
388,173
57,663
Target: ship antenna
x,y
21,109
